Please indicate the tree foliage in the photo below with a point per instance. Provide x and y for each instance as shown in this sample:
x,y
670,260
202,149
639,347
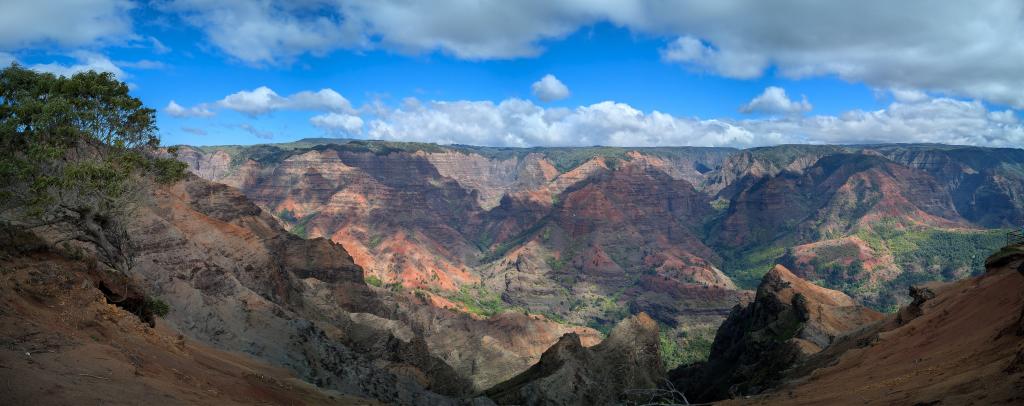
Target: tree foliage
x,y
77,150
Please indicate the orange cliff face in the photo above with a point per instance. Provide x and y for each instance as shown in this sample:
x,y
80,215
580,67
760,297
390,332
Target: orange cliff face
x,y
664,230
551,241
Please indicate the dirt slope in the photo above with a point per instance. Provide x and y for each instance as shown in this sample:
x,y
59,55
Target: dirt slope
x,y
61,343
958,345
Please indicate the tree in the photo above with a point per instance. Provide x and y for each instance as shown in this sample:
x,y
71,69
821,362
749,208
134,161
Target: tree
x,y
77,152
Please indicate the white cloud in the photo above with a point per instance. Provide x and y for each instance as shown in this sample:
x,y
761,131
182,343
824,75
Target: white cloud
x,y
252,102
696,55
908,95
774,101
549,88
338,123
269,32
905,45
176,110
263,100
25,23
520,123
85,61
940,120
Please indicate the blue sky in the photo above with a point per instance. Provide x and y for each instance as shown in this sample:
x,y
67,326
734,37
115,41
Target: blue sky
x,y
467,71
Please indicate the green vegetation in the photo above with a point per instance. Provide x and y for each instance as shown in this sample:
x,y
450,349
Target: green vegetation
x,y
300,227
556,264
720,204
931,254
747,268
690,346
783,155
940,250
287,215
480,301
77,152
374,241
373,280
504,247
156,306
554,317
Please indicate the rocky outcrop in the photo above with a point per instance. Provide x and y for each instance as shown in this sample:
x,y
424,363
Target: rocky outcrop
x,y
619,368
960,349
757,163
237,280
835,196
985,183
60,328
920,295
789,320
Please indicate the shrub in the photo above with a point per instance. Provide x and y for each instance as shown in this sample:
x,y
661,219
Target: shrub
x,y
156,306
76,151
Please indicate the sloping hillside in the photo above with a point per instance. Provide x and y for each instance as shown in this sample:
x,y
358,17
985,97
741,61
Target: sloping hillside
x,y
587,236
62,343
957,343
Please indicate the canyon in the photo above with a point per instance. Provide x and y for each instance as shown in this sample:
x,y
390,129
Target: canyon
x,y
586,269
589,235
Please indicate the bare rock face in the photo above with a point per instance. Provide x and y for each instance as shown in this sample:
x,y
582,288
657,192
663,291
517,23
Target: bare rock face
x,y
570,374
62,327
238,281
789,320
833,196
984,189
960,349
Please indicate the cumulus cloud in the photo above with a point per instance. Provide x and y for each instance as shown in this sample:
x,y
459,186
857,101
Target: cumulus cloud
x,y
549,88
940,120
520,123
84,61
774,101
25,23
693,53
270,32
906,44
263,100
908,95
176,110
338,123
